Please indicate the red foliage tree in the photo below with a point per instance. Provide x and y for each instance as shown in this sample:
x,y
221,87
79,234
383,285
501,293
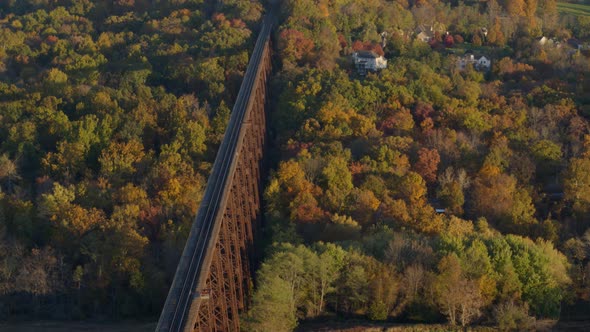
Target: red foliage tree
x,y
378,49
294,45
422,111
52,39
427,164
358,45
367,46
237,23
342,41
449,41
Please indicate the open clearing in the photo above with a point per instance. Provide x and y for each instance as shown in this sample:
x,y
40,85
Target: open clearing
x,y
578,9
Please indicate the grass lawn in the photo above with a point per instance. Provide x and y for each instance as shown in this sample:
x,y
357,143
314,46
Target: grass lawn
x,y
578,9
496,52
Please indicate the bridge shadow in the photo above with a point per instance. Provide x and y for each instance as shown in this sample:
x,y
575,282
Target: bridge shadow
x,y
574,317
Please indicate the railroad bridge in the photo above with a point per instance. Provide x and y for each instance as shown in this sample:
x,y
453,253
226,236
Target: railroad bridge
x,y
213,280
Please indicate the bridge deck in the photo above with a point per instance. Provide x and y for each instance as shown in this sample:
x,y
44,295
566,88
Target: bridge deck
x,y
188,287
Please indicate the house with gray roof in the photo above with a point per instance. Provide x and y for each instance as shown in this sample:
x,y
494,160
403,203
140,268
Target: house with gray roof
x,y
368,61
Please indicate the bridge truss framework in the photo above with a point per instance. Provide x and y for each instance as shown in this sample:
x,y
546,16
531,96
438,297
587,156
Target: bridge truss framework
x,y
213,281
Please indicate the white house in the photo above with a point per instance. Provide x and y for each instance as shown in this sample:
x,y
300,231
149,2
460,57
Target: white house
x,y
424,33
480,62
544,40
549,42
368,60
483,63
424,36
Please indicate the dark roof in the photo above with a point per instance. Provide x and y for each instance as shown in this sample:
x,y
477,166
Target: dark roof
x,y
367,54
573,42
475,56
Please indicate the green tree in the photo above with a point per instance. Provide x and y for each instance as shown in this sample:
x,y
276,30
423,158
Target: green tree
x,y
338,182
577,184
271,306
119,160
539,264
353,285
324,271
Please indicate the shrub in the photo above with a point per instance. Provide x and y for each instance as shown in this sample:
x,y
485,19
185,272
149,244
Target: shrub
x,y
513,317
377,311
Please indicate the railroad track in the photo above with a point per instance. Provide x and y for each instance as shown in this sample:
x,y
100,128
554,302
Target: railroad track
x,y
201,241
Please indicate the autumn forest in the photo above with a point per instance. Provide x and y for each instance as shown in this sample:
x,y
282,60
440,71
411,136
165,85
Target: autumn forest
x,y
436,190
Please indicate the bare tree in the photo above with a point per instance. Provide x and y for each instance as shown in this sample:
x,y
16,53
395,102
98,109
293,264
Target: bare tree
x,y
471,301
413,279
459,298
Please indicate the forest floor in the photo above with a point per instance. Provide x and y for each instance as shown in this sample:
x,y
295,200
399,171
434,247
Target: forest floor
x,y
132,326
57,326
541,325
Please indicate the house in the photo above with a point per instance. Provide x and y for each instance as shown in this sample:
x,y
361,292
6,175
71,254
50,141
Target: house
x,y
425,36
478,62
425,33
548,42
483,63
368,60
544,40
438,206
484,31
